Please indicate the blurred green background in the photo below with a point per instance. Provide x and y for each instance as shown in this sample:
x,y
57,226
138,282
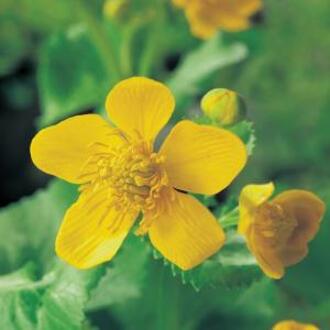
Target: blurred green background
x,y
52,66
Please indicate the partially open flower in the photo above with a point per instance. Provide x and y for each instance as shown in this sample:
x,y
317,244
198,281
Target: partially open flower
x,y
293,325
208,16
223,106
278,231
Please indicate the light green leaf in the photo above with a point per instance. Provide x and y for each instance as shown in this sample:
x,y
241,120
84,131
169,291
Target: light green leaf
x,y
19,299
28,227
124,277
203,62
72,76
55,302
58,299
64,302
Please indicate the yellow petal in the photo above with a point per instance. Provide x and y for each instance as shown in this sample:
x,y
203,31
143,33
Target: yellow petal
x,y
202,159
250,198
92,231
140,106
186,232
293,325
62,149
307,209
267,258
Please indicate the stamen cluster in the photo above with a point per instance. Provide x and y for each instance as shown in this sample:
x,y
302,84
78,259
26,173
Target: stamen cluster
x,y
274,225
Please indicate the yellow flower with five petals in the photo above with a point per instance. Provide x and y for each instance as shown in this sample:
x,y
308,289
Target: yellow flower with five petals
x,y
279,230
208,16
293,325
121,175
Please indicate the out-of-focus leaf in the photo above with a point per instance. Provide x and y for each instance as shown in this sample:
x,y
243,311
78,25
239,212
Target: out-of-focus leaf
x,y
72,76
124,277
28,227
43,16
203,62
13,44
288,99
260,299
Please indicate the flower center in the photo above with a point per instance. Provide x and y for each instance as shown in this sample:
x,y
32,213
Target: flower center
x,y
130,172
273,225
136,176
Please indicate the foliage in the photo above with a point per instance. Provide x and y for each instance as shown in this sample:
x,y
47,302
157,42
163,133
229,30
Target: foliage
x,y
280,68
72,83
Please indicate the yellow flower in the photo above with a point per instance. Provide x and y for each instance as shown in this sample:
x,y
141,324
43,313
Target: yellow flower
x,y
293,325
278,231
120,175
207,16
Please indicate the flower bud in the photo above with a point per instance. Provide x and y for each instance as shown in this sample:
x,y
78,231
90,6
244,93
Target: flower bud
x,y
223,106
114,8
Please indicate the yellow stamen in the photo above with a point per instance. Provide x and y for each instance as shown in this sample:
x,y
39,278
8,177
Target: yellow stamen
x,y
132,174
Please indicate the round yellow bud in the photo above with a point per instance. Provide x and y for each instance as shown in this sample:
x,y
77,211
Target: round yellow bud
x,y
223,106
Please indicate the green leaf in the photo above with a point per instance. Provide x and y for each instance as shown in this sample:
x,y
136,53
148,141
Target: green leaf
x,y
13,44
233,267
55,302
201,63
72,76
246,132
124,277
29,226
64,302
19,299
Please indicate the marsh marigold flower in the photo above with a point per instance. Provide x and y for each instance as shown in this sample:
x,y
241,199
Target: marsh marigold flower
x,y
207,16
121,175
293,325
278,231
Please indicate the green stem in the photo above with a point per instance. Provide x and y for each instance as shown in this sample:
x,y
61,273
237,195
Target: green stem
x,y
147,59
146,62
126,49
101,40
230,219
